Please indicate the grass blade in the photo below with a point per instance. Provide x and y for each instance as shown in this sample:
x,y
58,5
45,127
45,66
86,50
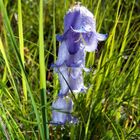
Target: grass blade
x,y
42,72
9,70
21,45
15,48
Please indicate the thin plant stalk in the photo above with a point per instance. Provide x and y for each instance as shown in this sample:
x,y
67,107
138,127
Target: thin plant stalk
x,y
42,73
21,45
8,67
55,77
15,48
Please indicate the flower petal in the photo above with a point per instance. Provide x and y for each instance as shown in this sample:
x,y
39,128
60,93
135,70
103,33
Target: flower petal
x,y
64,80
101,37
60,104
59,38
78,59
76,80
90,41
72,41
58,114
72,119
62,54
79,17
62,108
69,104
72,18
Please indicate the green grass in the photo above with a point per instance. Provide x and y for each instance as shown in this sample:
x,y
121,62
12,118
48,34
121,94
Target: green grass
x,y
42,73
110,110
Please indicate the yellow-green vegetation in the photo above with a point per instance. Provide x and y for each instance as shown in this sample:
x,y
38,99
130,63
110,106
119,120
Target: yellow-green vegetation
x,y
110,110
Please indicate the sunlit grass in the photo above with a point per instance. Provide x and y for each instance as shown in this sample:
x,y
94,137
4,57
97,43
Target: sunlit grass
x,y
110,108
42,74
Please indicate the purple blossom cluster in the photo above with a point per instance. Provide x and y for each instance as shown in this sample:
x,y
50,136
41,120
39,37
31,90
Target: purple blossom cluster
x,y
79,37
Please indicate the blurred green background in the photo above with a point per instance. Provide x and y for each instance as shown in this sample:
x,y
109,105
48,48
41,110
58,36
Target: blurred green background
x,y
110,110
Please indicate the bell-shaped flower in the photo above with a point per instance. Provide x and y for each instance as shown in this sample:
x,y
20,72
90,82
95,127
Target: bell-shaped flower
x,y
76,80
79,37
63,74
69,59
79,18
80,27
62,109
70,78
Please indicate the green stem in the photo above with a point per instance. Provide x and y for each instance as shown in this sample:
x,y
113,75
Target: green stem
x,y
42,73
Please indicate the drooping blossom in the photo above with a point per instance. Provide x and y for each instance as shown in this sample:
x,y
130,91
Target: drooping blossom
x,y
71,79
61,110
79,37
80,29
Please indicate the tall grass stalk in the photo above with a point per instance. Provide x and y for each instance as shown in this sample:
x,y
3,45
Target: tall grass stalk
x,y
126,33
15,48
21,45
9,70
42,72
55,77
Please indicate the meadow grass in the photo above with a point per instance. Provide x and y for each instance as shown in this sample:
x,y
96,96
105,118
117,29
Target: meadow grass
x,y
110,110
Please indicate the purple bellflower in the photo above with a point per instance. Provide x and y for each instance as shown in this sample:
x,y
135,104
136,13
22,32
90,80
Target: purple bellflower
x,y
70,79
62,109
79,37
80,29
